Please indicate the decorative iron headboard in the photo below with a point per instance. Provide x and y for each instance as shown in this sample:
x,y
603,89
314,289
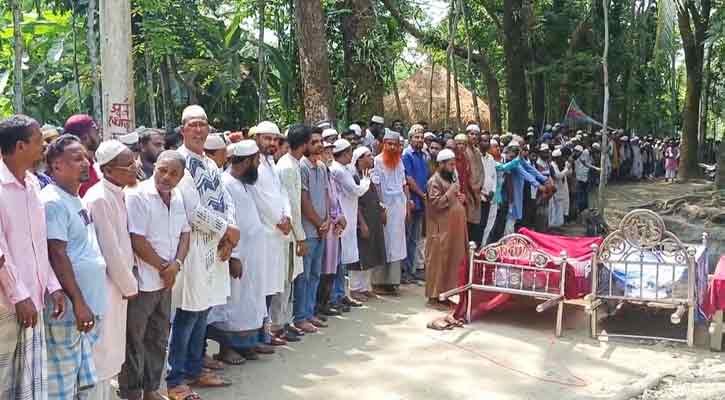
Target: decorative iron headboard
x,y
514,247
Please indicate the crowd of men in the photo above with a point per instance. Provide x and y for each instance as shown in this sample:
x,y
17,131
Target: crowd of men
x,y
121,259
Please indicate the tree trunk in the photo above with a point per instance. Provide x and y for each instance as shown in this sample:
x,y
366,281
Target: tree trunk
x,y
314,63
449,61
515,54
396,93
150,88
166,100
430,90
458,96
261,64
539,101
18,55
493,91
469,69
720,178
693,25
93,60
365,85
705,104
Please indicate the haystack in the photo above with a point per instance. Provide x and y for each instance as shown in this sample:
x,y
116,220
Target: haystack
x,y
414,99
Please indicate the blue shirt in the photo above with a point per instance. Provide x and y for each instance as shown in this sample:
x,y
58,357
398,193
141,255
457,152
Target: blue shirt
x,y
416,167
69,221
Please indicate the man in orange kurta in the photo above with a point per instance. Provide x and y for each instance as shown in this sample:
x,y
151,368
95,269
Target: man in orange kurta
x,y
446,233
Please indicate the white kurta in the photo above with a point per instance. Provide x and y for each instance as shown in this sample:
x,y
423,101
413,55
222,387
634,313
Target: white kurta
x,y
392,195
559,206
349,193
246,306
105,202
288,170
637,167
273,205
204,279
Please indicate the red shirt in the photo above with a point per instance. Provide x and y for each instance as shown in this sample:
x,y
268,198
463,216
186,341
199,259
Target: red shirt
x,y
94,176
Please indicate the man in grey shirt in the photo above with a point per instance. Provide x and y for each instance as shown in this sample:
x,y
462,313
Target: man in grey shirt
x,y
316,223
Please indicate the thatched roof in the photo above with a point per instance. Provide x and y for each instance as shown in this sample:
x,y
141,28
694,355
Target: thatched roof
x,y
414,99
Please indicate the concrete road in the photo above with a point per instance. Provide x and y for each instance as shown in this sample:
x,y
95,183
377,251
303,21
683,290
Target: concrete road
x,y
385,352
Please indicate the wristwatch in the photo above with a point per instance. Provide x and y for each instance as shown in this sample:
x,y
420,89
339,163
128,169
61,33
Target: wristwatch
x,y
179,262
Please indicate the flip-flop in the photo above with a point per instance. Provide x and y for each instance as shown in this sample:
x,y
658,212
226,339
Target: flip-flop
x,y
212,364
230,361
439,324
183,392
210,381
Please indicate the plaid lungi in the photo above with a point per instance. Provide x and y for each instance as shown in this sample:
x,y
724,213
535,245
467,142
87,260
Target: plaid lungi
x,y
23,374
70,359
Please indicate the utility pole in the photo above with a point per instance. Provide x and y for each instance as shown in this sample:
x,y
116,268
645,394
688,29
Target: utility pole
x,y
118,97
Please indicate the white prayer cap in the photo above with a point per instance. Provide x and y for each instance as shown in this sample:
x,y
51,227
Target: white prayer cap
x,y
230,149
474,128
358,153
580,132
356,128
328,133
445,155
578,148
635,138
391,135
267,127
461,138
214,142
625,138
530,129
556,153
494,142
377,119
517,138
109,150
193,112
244,148
415,129
544,147
596,146
129,139
429,135
340,146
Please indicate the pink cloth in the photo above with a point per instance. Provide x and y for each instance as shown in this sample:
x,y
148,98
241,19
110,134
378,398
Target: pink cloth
x,y
105,202
716,291
672,158
332,241
24,242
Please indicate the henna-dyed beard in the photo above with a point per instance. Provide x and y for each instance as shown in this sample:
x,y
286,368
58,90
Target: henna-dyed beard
x,y
391,159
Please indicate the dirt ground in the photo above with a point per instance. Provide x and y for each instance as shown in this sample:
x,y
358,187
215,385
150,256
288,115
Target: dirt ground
x,y
384,351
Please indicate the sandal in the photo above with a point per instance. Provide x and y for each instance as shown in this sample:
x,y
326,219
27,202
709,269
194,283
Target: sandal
x,y
439,324
182,392
212,364
210,380
155,395
230,359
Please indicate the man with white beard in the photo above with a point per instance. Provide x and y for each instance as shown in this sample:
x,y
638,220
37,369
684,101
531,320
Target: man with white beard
x,y
274,208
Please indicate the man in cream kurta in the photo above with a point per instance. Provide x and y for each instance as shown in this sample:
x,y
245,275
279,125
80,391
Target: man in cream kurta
x,y
288,169
204,278
105,202
274,209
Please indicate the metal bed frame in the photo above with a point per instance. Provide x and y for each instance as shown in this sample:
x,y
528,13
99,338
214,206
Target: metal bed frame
x,y
509,259
642,234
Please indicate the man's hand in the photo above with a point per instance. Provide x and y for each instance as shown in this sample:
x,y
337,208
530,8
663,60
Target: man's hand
x,y
58,299
364,231
84,317
26,313
323,228
384,217
301,248
461,197
231,235
131,297
342,222
224,250
235,268
285,226
168,274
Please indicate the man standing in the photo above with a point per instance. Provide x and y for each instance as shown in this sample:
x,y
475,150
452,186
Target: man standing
x,y
349,192
389,177
288,169
85,128
489,205
216,148
247,306
160,235
274,207
25,273
204,279
416,174
79,265
105,202
446,238
152,144
316,223
375,130
475,183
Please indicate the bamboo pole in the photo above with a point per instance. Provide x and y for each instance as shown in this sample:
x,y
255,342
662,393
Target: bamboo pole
x,y
605,114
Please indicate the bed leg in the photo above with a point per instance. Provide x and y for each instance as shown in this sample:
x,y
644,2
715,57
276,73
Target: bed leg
x,y
471,255
716,331
691,326
559,318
